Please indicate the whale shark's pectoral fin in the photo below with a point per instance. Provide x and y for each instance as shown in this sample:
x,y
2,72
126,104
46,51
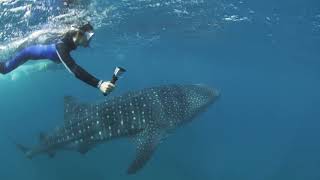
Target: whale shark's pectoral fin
x,y
51,154
147,142
84,148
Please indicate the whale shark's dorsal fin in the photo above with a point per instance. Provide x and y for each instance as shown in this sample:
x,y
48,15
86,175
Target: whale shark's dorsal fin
x,y
147,142
42,138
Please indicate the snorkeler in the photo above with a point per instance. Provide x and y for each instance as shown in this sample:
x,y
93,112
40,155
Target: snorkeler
x,y
60,53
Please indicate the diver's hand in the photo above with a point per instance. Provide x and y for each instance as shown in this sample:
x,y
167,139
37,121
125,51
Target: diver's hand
x,y
106,87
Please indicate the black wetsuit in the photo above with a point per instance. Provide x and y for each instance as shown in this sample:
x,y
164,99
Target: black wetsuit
x,y
64,47
58,53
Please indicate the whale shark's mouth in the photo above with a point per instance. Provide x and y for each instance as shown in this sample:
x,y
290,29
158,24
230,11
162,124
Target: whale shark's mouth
x,y
214,95
207,93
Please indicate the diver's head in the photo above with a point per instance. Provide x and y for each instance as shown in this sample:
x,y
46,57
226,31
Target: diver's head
x,y
84,35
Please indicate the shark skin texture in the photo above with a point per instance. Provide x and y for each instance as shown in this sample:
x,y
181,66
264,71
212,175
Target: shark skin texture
x,y
146,116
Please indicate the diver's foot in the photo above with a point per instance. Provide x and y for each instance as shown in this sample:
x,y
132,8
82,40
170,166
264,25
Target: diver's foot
x,y
2,68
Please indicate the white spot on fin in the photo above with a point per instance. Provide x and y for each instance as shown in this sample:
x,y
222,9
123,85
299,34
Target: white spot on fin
x,y
146,142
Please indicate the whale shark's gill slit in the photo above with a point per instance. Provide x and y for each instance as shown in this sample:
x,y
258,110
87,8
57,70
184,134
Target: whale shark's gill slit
x,y
74,111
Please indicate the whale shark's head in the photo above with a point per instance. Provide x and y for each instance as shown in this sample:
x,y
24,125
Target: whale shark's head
x,y
199,98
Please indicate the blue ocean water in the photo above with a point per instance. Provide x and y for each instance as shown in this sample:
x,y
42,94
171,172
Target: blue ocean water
x,y
262,55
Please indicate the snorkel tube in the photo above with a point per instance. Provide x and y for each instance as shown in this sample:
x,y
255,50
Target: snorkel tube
x,y
118,72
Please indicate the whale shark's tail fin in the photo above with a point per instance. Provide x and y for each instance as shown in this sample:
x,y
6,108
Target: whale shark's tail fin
x,y
26,151
31,152
22,148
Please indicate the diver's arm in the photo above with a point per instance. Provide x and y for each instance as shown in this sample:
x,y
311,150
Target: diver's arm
x,y
63,52
81,73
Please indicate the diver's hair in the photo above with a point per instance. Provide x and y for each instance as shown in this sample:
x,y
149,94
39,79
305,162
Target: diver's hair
x,y
79,29
86,27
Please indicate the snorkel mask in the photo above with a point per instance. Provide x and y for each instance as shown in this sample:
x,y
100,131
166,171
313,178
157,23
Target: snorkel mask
x,y
88,36
87,31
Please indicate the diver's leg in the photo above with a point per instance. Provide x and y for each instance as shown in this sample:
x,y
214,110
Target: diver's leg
x,y
14,62
33,52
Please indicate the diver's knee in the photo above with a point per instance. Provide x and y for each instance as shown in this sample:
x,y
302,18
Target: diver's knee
x,y
3,69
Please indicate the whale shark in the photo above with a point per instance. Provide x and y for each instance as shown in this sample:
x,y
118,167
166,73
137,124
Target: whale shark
x,y
146,116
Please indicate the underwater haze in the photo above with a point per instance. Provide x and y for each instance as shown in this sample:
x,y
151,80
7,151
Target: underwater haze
x,y
263,56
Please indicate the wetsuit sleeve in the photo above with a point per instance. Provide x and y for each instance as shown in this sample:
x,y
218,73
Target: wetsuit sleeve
x,y
79,72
